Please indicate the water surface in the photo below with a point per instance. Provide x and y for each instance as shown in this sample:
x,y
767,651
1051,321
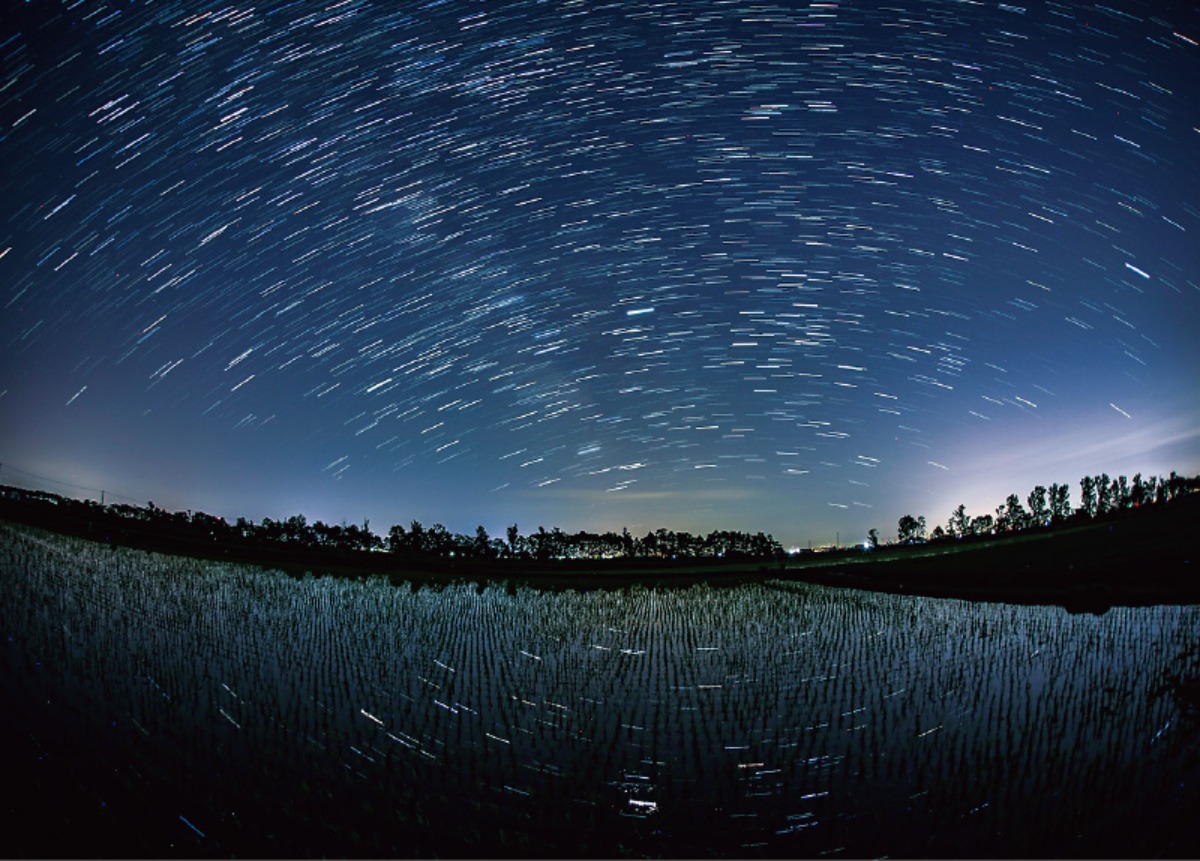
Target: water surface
x,y
171,706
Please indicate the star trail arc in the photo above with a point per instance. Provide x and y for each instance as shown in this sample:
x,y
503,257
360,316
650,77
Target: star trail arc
x,y
775,256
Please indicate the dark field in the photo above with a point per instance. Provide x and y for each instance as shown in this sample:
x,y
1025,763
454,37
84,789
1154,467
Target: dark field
x,y
165,706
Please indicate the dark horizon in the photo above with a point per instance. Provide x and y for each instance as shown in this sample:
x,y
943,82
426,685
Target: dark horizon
x,y
1100,497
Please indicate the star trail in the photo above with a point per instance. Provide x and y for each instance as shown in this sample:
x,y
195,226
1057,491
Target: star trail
x,y
793,267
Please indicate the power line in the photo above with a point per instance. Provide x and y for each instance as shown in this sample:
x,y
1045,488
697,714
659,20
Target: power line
x,y
5,469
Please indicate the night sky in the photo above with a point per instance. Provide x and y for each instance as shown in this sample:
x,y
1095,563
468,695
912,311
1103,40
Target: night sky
x,y
799,268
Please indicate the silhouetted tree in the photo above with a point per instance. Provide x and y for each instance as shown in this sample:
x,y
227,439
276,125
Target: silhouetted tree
x,y
717,543
439,541
667,542
295,528
539,544
1124,499
397,540
1060,502
764,546
1039,510
873,538
959,524
614,544
628,545
417,542
271,530
1137,492
1087,494
1011,516
691,545
1103,493
481,546
910,529
559,546
352,538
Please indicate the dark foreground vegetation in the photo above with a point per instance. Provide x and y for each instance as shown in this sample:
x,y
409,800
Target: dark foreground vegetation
x,y
1127,543
295,544
165,707
1128,557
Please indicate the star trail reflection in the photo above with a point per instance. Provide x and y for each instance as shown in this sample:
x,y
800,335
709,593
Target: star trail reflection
x,y
317,716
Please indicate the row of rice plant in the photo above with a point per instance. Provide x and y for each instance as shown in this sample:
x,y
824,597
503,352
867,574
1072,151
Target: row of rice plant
x,y
252,712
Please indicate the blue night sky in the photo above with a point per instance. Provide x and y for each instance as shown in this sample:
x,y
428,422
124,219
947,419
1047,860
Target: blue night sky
x,y
801,268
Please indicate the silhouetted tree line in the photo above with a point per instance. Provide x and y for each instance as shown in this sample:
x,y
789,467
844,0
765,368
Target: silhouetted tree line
x,y
121,523
297,539
544,545
1101,496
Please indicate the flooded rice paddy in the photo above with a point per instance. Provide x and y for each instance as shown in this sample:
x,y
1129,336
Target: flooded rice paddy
x,y
163,706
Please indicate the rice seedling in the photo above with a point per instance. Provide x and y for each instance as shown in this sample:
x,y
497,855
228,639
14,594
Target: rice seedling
x,y
224,709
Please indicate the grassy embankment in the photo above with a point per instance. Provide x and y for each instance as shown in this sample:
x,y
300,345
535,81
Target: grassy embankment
x,y
1134,557
1144,556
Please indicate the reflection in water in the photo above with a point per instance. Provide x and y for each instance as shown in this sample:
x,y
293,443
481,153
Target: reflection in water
x,y
217,709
